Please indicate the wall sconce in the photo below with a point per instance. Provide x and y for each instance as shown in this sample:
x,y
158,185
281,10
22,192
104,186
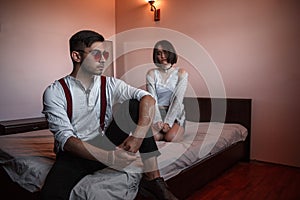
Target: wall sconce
x,y
156,11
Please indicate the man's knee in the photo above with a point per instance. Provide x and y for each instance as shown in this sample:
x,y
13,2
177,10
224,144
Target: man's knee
x,y
134,106
126,115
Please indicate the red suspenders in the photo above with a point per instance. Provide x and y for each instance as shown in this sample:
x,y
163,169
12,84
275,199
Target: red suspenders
x,y
68,97
103,100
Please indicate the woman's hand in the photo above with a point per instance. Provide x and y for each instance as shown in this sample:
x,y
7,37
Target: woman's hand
x,y
166,127
158,126
131,144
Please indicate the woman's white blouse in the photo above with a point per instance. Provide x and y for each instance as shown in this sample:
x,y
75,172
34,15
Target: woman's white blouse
x,y
176,108
165,88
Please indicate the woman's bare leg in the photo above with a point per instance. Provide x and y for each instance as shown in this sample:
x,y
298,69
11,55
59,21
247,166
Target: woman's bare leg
x,y
175,134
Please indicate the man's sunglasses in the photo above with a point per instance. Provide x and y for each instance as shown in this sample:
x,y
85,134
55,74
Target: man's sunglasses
x,y
97,54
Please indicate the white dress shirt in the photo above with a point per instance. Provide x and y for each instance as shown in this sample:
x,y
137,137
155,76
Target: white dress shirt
x,y
85,123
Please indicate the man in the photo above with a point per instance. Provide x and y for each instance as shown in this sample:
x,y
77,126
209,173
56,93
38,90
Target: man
x,y
98,122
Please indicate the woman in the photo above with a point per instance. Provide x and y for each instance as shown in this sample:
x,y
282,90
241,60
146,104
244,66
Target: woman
x,y
167,83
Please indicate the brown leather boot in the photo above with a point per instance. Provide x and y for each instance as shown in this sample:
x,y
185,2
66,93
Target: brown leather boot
x,y
156,188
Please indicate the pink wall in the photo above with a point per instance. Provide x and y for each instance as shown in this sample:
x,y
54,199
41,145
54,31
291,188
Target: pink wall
x,y
255,46
34,47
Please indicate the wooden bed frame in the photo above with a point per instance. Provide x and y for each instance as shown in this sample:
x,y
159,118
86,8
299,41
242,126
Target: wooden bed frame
x,y
237,111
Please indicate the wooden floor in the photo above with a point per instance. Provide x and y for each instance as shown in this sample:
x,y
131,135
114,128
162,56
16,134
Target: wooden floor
x,y
254,180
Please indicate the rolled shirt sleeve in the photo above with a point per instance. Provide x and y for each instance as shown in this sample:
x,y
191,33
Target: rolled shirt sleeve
x,y
55,110
123,92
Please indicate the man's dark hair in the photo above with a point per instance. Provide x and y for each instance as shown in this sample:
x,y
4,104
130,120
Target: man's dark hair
x,y
83,39
169,48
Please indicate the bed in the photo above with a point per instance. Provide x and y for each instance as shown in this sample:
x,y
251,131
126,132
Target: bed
x,y
215,140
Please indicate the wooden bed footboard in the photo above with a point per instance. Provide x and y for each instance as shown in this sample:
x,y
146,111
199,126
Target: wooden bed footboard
x,y
197,109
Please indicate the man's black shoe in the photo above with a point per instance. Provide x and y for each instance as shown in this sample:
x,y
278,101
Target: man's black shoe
x,y
156,188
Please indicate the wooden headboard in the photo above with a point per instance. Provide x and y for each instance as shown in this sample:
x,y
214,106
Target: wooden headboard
x,y
212,110
23,125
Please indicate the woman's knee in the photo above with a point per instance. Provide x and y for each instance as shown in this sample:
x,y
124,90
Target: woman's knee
x,y
175,134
